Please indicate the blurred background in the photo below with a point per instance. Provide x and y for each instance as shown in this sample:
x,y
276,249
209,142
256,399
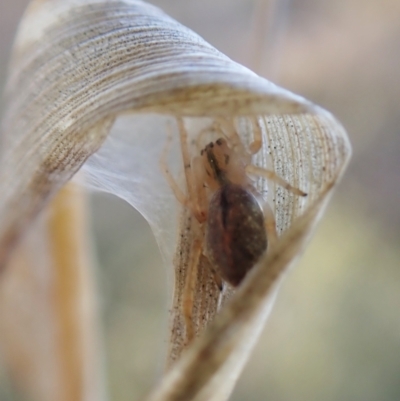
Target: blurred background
x,y
334,333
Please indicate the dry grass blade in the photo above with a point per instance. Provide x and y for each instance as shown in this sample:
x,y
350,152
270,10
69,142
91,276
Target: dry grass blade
x,y
77,64
221,352
79,67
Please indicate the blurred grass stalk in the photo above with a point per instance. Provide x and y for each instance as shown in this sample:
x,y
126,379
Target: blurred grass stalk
x,y
264,36
49,323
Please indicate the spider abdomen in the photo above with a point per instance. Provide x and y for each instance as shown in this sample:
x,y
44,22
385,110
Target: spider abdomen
x,y
236,235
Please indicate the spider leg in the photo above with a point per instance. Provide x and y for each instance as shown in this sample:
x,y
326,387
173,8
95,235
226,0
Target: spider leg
x,y
194,202
271,175
190,282
197,203
180,196
231,134
210,129
270,224
255,146
217,278
199,188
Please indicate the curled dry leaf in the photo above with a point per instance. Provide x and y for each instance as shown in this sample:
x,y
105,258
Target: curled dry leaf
x,y
112,77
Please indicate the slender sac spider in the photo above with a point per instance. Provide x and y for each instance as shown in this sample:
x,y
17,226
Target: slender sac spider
x,y
235,222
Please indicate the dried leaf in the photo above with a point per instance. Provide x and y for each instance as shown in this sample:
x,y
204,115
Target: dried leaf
x,y
80,65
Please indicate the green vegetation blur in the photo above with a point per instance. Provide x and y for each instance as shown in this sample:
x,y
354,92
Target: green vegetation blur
x,y
334,334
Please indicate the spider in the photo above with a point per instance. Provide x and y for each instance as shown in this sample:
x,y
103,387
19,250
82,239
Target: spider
x,y
235,222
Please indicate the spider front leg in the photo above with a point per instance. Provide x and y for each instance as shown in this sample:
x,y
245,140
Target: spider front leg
x,y
272,176
254,148
192,175
256,145
189,289
195,201
179,195
270,224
